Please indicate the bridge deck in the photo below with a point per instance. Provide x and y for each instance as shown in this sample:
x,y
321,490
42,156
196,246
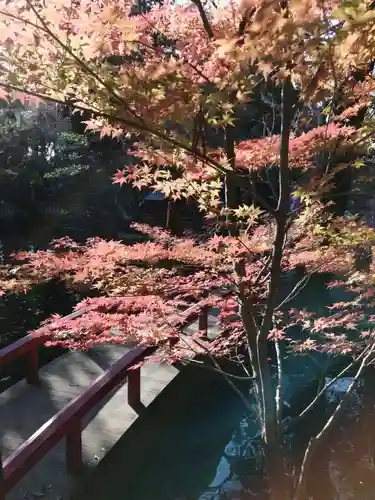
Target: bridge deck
x,y
173,451
24,408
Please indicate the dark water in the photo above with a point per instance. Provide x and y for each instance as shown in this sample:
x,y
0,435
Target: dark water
x,y
201,446
173,450
197,442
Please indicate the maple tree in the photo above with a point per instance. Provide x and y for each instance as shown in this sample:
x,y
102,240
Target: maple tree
x,y
168,81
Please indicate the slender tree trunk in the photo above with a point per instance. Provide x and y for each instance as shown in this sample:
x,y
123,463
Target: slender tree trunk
x,y
274,441
265,393
275,460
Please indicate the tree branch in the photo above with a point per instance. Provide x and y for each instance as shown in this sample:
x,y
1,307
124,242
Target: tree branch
x,y
140,127
205,21
214,361
281,213
216,370
319,438
312,404
296,289
225,375
280,383
248,14
269,407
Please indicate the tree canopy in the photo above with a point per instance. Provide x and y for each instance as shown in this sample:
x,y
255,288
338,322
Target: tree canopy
x,y
174,82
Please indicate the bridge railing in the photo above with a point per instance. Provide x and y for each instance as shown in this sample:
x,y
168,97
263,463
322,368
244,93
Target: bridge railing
x,y
68,422
27,348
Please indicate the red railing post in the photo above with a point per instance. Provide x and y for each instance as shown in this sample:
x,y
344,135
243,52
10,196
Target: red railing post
x,y
203,321
68,421
74,462
32,368
134,387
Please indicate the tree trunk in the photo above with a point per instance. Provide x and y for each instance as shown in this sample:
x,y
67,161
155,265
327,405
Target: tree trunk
x,y
274,450
276,471
272,439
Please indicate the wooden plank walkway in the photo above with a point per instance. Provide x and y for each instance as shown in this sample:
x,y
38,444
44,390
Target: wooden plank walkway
x,y
25,408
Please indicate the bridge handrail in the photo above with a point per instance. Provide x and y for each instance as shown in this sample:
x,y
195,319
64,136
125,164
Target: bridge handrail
x,y
68,421
27,347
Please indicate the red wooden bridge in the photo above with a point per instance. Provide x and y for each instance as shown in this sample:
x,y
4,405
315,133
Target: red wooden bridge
x,y
51,417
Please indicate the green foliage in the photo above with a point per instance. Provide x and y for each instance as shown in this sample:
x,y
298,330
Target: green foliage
x,y
51,179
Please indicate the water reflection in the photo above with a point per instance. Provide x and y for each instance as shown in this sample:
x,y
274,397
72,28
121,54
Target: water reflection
x,y
344,467
240,465
350,450
205,447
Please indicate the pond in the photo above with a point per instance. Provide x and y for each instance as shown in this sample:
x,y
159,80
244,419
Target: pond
x,y
197,442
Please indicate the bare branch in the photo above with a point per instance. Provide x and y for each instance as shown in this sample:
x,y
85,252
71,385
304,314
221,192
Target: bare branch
x,y
281,217
280,383
319,438
205,21
311,406
296,290
82,64
225,375
203,365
